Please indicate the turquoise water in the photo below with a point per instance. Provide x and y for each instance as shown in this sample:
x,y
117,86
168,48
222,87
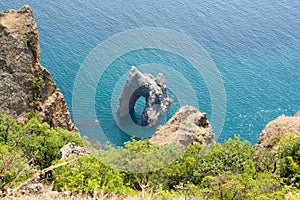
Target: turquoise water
x,y
254,44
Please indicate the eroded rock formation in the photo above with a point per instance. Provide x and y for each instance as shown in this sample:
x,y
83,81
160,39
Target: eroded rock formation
x,y
281,127
19,66
185,127
154,91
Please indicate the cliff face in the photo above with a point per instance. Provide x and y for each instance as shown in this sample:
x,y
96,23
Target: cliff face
x,y
19,69
185,127
281,127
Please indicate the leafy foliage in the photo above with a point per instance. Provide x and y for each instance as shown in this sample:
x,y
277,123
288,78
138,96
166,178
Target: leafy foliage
x,y
88,174
25,148
230,170
12,165
36,86
289,154
42,144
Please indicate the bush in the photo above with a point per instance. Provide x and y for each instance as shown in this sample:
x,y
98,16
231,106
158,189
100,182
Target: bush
x,y
88,174
229,156
13,166
289,154
42,144
24,149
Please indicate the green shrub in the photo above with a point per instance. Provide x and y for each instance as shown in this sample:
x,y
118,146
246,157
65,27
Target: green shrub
x,y
289,154
13,166
89,175
229,156
33,146
9,129
42,144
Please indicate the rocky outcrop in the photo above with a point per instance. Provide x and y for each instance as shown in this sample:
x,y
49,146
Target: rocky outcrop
x,y
282,127
187,126
34,188
71,149
154,91
20,68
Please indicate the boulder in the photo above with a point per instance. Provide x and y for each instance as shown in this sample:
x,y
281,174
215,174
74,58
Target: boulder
x,y
33,189
188,125
281,127
71,149
20,68
154,91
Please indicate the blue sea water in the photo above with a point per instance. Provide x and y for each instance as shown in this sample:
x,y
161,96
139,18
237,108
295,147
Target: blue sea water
x,y
254,44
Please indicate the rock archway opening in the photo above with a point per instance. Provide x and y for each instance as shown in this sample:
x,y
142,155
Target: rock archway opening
x,y
137,105
138,109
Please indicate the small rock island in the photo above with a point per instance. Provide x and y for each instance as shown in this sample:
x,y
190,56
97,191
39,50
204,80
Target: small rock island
x,y
153,89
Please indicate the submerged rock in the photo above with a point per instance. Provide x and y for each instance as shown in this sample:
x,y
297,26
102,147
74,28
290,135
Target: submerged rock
x,y
280,128
20,67
188,125
154,91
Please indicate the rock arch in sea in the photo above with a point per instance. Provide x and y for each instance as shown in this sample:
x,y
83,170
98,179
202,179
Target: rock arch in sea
x,y
153,89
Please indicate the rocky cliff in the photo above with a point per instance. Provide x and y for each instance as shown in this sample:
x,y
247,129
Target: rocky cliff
x,y
153,89
185,127
24,84
281,127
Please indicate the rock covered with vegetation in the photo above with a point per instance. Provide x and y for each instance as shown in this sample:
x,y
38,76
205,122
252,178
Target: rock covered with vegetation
x,y
188,125
25,86
280,128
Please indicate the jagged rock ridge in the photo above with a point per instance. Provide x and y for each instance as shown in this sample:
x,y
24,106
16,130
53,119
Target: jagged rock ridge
x,y
19,65
185,127
154,91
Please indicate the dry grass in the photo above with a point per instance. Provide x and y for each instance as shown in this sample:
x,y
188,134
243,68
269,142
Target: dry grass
x,y
51,195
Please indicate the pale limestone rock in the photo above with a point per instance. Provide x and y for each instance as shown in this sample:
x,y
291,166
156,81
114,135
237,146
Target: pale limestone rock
x,y
71,149
281,127
188,125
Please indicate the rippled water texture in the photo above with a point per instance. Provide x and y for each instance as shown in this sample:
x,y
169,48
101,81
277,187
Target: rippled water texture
x,y
254,44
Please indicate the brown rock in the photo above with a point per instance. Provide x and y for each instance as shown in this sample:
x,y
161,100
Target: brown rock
x,y
282,127
19,65
184,128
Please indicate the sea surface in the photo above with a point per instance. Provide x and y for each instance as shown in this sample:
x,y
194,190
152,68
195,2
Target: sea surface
x,y
255,45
